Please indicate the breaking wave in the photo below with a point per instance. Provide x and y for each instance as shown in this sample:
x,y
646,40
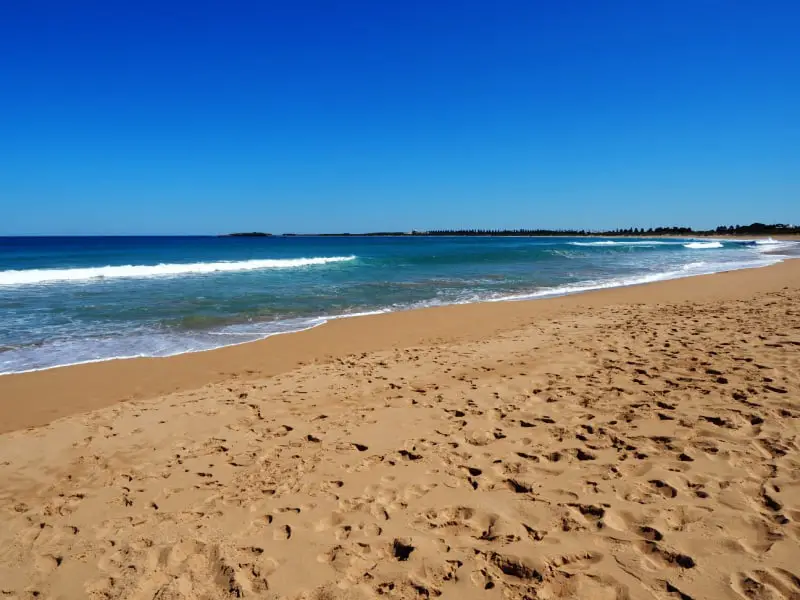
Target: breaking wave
x,y
702,245
625,243
37,276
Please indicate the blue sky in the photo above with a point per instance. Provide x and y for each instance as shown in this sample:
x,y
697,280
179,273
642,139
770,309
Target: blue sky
x,y
206,117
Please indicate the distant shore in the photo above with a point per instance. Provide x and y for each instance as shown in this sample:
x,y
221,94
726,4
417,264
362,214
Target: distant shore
x,y
614,235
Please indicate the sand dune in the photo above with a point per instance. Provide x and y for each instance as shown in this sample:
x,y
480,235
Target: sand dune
x,y
634,450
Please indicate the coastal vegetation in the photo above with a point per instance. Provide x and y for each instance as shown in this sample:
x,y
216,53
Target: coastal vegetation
x,y
731,230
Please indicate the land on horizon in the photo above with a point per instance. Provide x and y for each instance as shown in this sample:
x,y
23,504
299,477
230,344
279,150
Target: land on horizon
x,y
754,229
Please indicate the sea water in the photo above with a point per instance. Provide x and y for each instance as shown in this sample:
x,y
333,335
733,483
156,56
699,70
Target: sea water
x,y
81,299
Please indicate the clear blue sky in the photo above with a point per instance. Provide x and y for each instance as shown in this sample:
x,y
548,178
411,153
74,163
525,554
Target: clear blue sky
x,y
206,117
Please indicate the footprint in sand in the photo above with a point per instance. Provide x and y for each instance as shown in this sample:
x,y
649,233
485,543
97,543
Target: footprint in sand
x,y
773,584
663,488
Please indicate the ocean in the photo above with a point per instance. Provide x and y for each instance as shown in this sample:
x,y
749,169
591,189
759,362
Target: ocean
x,y
81,299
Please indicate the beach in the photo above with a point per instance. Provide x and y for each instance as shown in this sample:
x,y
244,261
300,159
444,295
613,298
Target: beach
x,y
633,442
74,300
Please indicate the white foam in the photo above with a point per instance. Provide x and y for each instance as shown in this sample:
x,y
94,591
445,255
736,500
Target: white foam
x,y
156,344
588,286
693,265
703,245
151,344
367,313
770,246
37,276
688,270
144,345
625,243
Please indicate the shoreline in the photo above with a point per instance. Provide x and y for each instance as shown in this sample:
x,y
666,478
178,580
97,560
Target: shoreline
x,y
616,444
65,390
544,294
310,322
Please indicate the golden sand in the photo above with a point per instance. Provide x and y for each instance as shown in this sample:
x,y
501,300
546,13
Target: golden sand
x,y
629,443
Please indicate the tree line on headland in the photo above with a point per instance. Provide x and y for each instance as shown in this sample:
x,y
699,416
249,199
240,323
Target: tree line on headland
x,y
734,230
753,229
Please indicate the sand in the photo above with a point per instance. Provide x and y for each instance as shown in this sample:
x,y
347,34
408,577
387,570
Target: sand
x,y
630,443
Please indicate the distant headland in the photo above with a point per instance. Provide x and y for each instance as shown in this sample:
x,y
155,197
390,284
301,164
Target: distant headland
x,y
754,229
248,234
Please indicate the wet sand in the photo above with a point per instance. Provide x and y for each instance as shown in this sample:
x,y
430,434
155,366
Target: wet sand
x,y
630,443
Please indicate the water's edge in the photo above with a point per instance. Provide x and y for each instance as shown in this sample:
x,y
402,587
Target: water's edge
x,y
539,295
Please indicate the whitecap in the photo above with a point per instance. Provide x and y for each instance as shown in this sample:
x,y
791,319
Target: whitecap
x,y
703,245
37,276
622,243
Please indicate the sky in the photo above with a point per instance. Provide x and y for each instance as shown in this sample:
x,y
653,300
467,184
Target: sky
x,y
211,117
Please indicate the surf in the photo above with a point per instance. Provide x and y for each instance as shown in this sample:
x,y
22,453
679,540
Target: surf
x,y
621,243
702,245
79,274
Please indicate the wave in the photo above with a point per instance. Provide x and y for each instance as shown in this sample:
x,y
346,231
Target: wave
x,y
687,270
702,245
693,265
154,344
625,243
37,276
59,353
768,245
776,246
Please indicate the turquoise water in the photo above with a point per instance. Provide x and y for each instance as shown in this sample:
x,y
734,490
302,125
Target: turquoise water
x,y
72,300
